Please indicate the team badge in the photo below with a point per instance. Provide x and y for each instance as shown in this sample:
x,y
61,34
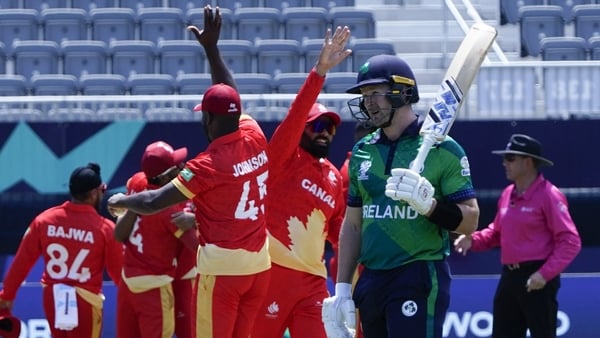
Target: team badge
x,y
187,174
409,308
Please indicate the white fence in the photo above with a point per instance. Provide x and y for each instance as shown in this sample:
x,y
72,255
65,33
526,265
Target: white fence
x,y
503,90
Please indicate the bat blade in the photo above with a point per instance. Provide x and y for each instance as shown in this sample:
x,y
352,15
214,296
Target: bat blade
x,y
457,81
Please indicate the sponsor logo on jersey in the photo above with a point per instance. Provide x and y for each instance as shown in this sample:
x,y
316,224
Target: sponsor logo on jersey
x,y
250,165
466,168
71,233
187,174
389,212
319,192
363,169
332,177
273,310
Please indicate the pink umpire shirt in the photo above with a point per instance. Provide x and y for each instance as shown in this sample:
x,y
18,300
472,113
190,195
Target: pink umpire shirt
x,y
533,226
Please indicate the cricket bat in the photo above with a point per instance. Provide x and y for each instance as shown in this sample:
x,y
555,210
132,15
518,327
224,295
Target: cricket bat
x,y
457,81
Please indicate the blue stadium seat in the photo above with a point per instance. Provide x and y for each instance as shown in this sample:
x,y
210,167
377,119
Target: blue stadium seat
x,y
71,114
567,6
151,84
132,56
289,83
13,85
193,84
53,84
9,4
594,46
362,49
168,114
267,113
138,4
22,114
509,9
184,5
61,24
102,84
253,83
109,24
234,4
39,5
536,23
302,23
160,23
2,59
257,23
311,48
360,21
238,55
195,17
91,4
18,24
559,48
327,4
35,57
281,4
587,20
181,56
277,56
336,83
119,113
84,57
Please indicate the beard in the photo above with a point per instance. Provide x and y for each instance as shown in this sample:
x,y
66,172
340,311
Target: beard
x,y
314,147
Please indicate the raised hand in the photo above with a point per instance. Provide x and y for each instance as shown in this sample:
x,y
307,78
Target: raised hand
x,y
334,50
209,35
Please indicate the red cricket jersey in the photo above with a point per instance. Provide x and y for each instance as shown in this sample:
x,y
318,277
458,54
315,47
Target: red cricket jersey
x,y
305,193
227,183
76,243
153,247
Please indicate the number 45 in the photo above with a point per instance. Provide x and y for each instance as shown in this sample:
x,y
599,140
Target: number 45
x,y
246,208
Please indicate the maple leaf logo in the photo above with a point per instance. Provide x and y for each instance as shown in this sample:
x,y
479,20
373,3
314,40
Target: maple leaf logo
x,y
306,239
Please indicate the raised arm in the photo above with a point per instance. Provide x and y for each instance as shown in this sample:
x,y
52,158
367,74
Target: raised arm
x,y
208,38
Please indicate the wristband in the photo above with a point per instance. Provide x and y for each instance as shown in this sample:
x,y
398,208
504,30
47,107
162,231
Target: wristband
x,y
446,215
343,290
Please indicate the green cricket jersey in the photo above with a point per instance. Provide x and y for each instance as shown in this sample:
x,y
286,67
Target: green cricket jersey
x,y
393,233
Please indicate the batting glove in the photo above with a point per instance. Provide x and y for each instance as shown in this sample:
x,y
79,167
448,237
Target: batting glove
x,y
339,313
407,185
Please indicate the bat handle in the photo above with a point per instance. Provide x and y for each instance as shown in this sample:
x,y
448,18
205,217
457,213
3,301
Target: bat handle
x,y
428,141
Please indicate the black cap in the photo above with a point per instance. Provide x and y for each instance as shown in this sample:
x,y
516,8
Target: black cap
x,y
84,179
524,145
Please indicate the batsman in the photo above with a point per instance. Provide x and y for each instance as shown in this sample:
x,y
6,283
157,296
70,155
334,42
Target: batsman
x,y
398,219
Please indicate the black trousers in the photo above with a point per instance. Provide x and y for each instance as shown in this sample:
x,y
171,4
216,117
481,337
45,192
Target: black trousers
x,y
516,310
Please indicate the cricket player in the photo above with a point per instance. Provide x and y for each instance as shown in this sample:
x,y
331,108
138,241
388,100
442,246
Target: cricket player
x,y
76,244
305,202
153,243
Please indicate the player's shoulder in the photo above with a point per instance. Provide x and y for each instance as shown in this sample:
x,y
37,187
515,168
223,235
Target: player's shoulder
x,y
451,145
367,140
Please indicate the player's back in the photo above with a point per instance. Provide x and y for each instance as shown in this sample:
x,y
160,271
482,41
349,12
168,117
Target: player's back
x,y
76,243
228,182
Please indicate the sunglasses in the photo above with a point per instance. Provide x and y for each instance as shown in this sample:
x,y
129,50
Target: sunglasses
x,y
319,126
